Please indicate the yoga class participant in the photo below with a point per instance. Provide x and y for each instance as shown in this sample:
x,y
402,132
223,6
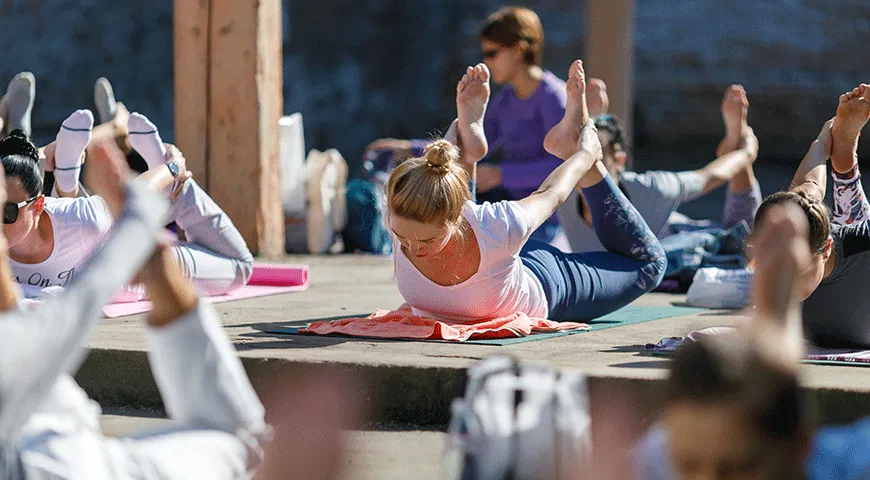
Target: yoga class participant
x,y
658,194
744,386
50,429
518,118
50,238
834,312
459,261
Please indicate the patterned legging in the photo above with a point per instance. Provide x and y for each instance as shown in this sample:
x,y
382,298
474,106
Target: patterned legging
x,y
584,286
850,202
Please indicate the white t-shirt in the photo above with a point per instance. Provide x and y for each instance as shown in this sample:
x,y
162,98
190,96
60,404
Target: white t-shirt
x,y
79,226
502,285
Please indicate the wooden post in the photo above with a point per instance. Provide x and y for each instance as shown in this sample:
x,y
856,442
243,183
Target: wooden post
x,y
610,52
190,40
244,100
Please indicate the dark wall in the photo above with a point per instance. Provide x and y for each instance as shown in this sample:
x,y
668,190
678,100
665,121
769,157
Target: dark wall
x,y
362,70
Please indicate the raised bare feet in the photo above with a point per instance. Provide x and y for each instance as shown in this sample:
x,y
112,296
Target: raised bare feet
x,y
472,95
596,97
562,140
852,114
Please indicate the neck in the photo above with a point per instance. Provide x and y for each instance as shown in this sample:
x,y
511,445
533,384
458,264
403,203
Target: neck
x,y
526,81
37,246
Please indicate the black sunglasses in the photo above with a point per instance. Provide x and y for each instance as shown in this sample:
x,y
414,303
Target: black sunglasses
x,y
10,210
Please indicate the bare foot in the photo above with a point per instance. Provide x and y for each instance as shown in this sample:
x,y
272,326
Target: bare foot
x,y
781,253
735,106
596,97
562,139
472,95
107,175
852,114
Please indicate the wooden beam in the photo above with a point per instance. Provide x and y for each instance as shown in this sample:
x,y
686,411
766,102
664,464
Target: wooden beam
x,y
190,40
610,52
245,104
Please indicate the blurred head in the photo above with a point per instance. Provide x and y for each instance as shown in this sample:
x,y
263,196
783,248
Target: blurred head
x,y
24,202
425,197
511,40
821,243
731,414
613,145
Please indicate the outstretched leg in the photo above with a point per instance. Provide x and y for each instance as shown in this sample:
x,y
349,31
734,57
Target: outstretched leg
x,y
472,96
743,196
215,255
583,286
850,202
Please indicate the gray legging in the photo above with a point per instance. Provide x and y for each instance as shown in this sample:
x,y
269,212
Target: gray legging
x,y
215,256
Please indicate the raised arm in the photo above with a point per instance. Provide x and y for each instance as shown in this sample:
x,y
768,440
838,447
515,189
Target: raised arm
x,y
42,343
811,176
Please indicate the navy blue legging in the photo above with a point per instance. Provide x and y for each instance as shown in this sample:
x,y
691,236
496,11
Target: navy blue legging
x,y
584,286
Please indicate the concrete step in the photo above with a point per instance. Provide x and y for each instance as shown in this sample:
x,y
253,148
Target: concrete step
x,y
411,384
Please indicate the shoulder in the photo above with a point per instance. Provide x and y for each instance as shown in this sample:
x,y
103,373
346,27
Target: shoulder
x,y
89,212
553,89
505,214
841,450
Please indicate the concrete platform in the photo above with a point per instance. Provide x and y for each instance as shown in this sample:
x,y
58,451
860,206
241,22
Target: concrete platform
x,y
412,383
370,455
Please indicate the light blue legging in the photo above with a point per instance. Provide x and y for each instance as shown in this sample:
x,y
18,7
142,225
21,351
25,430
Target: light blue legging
x,y
584,286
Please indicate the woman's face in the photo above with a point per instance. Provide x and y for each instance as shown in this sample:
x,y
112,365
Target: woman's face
x,y
809,279
28,215
420,240
713,441
503,62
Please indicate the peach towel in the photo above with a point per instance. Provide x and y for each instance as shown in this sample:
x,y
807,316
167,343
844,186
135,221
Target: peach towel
x,y
402,323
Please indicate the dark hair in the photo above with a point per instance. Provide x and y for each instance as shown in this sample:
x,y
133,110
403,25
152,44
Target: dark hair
x,y
516,25
818,216
613,126
730,370
20,159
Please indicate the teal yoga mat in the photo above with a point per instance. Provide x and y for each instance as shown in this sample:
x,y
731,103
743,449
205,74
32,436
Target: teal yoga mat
x,y
624,316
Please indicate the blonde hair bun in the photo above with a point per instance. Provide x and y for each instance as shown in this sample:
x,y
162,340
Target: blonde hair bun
x,y
440,155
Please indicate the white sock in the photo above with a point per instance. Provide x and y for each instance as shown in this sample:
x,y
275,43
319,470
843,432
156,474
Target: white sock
x,y
145,139
72,140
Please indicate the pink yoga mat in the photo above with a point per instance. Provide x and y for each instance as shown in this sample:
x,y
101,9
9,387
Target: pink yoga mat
x,y
266,280
277,275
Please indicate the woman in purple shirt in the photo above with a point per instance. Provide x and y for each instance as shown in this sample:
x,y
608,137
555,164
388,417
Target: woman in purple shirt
x,y
517,118
520,115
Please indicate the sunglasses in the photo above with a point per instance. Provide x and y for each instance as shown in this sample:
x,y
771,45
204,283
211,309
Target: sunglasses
x,y
10,210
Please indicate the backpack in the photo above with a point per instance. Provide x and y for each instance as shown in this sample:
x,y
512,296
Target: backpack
x,y
521,422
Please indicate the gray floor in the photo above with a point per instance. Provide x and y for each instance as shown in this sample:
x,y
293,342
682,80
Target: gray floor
x,y
370,455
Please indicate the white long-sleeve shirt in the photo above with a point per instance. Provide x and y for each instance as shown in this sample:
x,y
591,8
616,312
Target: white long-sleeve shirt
x,y
49,429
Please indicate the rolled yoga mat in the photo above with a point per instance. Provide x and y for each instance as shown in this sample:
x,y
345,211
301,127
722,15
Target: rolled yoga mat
x,y
278,275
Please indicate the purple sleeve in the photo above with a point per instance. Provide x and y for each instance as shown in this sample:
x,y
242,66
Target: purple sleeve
x,y
553,108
